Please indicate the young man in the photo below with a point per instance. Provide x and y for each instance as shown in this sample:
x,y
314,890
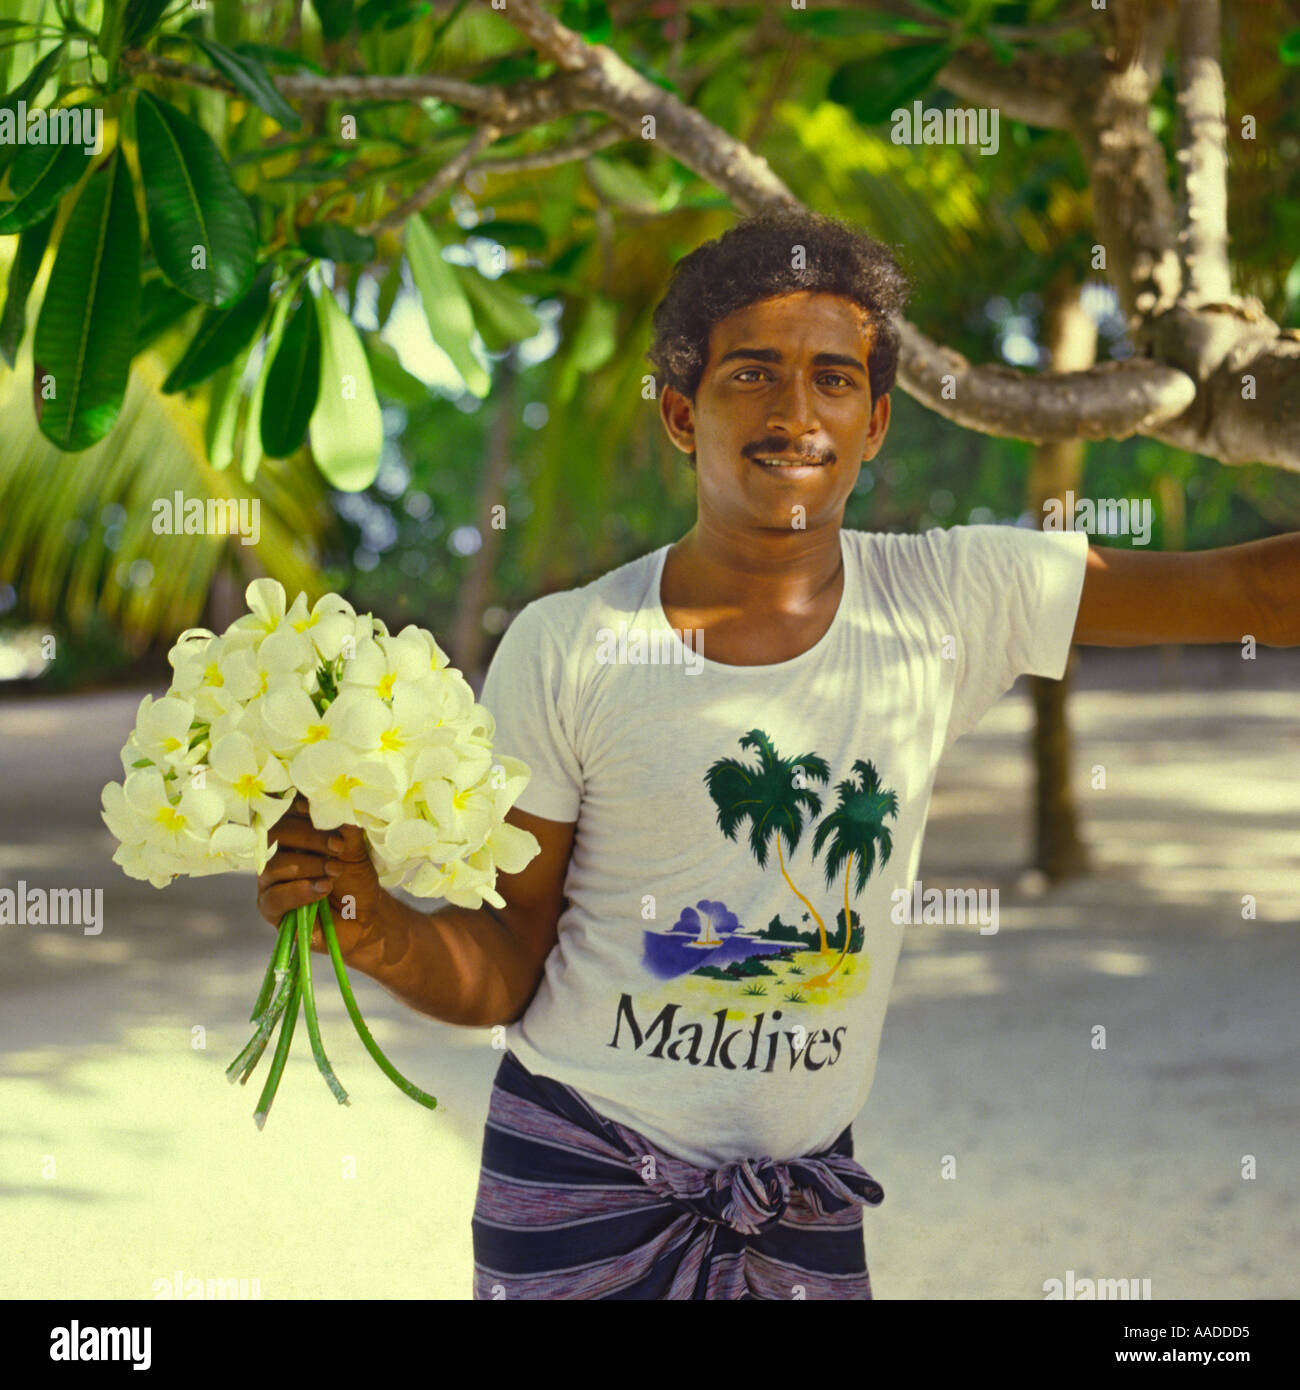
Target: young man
x,y
733,742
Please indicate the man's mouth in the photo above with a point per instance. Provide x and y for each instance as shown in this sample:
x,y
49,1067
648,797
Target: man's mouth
x,y
785,461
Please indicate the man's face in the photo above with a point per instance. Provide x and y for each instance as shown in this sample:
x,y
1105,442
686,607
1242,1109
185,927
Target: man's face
x,y
787,376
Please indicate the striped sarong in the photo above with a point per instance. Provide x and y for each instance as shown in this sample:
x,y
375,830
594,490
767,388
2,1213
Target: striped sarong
x,y
572,1204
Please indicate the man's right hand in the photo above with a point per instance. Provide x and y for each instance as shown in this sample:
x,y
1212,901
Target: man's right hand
x,y
311,864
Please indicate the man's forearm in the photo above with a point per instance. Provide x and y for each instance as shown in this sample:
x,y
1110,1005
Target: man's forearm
x,y
459,964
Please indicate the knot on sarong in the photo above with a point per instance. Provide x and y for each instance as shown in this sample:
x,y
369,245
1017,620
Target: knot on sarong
x,y
751,1195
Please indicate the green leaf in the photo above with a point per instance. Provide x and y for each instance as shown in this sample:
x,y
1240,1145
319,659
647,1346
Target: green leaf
x,y
591,347
249,76
23,271
160,306
501,315
25,92
40,176
1002,50
86,331
335,17
590,18
141,20
276,57
252,451
874,88
390,377
334,242
1288,48
526,234
451,320
193,205
623,183
849,24
221,334
347,427
389,14
223,411
292,383
594,342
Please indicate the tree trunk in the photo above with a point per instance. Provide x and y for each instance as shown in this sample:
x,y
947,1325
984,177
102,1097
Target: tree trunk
x,y
467,628
1059,852
1173,512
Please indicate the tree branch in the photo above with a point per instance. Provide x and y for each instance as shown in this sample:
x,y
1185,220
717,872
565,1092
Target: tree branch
x,y
1155,395
1131,203
566,153
450,173
1203,238
608,84
1110,401
1036,88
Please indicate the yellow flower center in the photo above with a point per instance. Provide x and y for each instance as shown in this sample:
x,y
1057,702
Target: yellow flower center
x,y
461,799
248,785
316,732
170,745
171,819
385,686
306,623
265,675
212,675
392,740
342,785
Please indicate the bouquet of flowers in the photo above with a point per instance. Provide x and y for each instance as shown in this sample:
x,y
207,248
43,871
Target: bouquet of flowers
x,y
372,729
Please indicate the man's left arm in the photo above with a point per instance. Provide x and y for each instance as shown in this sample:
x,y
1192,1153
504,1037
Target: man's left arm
x,y
1135,598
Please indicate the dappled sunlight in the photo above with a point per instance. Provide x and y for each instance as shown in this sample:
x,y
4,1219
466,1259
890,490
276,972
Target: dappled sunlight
x,y
146,1160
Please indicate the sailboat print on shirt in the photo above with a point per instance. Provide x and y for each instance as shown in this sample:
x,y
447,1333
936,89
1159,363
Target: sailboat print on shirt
x,y
708,939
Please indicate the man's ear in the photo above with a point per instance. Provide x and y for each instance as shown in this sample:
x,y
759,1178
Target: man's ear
x,y
878,428
677,411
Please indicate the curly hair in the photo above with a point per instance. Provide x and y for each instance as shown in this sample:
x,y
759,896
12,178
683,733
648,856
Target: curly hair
x,y
752,261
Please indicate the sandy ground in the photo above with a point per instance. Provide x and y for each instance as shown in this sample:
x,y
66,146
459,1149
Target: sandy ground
x,y
126,1158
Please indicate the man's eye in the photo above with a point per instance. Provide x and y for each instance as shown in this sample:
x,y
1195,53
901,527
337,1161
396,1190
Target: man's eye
x,y
838,376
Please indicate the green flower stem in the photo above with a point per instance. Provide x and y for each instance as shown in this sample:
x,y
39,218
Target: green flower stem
x,y
275,964
266,1021
345,988
281,1056
306,920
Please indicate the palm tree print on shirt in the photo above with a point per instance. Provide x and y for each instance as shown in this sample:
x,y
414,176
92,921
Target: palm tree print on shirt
x,y
773,797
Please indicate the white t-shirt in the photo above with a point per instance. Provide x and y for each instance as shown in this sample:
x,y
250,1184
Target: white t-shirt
x,y
686,995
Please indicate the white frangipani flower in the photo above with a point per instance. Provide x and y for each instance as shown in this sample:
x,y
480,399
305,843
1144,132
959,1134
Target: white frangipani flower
x,y
266,607
373,729
162,730
291,721
246,783
344,788
181,827
383,662
331,620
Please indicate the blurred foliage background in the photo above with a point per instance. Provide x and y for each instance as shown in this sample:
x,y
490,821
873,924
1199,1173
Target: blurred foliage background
x,y
565,439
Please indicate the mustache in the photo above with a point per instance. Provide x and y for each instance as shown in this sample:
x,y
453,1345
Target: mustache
x,y
777,446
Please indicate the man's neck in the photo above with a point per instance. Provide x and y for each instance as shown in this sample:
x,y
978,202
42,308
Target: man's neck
x,y
761,570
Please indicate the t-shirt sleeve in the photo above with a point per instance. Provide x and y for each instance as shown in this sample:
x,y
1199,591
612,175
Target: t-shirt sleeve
x,y
1012,596
527,694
